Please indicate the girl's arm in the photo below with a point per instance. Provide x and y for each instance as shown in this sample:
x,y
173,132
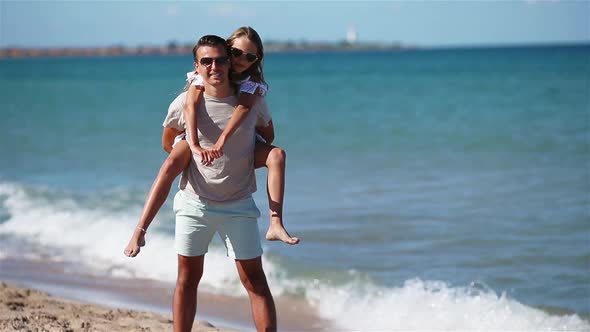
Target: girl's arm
x,y
245,102
193,98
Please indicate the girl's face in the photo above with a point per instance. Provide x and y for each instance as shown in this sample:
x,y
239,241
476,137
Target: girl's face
x,y
244,54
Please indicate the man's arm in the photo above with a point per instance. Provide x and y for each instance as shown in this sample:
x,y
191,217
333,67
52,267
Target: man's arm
x,y
268,132
168,135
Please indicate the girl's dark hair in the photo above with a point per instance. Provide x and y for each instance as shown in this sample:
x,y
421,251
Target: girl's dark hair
x,y
255,70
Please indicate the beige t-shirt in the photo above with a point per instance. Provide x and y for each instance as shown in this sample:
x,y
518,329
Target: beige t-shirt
x,y
175,119
231,177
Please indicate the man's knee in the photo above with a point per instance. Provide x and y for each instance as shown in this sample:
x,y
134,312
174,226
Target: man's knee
x,y
189,275
255,283
189,280
277,157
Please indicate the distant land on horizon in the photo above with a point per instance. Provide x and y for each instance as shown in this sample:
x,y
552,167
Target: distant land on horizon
x,y
174,48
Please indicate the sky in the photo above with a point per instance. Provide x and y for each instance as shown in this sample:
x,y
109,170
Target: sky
x,y
419,23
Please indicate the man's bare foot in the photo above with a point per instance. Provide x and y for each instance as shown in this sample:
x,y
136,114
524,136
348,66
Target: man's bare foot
x,y
276,232
135,244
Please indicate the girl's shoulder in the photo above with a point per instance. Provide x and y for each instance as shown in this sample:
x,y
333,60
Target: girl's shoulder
x,y
249,86
192,78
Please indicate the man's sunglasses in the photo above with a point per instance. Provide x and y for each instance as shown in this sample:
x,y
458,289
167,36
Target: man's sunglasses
x,y
236,53
208,62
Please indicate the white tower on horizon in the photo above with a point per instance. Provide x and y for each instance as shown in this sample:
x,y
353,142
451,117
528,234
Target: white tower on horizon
x,y
351,35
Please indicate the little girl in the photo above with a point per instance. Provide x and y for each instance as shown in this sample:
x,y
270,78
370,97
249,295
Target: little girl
x,y
246,59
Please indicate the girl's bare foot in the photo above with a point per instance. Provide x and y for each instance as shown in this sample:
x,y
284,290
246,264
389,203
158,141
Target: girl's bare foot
x,y
135,244
276,232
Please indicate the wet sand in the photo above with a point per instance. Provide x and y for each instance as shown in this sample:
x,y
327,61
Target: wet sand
x,y
60,297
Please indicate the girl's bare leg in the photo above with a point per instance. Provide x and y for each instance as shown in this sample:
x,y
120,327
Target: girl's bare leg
x,y
274,159
176,162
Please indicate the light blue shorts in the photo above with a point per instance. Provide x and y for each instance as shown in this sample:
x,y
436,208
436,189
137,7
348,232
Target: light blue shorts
x,y
197,221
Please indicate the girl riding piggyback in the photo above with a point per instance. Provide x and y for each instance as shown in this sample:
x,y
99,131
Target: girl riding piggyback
x,y
246,52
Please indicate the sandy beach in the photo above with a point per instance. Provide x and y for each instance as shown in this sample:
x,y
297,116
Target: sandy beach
x,y
49,295
25,309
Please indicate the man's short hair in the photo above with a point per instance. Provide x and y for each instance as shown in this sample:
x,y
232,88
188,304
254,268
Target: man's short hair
x,y
210,40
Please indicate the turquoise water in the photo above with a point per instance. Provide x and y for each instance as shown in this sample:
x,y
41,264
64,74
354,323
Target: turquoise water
x,y
461,172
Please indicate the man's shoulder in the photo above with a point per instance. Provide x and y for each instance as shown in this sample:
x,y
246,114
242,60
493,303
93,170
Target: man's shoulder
x,y
178,102
260,104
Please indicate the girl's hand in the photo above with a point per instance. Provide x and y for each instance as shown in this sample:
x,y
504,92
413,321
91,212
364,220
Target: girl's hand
x,y
217,148
134,246
211,155
206,156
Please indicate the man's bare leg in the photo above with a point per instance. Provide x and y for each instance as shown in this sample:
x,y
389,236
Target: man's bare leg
x,y
190,271
261,301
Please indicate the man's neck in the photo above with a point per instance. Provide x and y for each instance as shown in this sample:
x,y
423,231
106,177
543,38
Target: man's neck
x,y
225,90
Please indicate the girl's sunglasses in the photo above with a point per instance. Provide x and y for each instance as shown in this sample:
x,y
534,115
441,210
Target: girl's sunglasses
x,y
236,53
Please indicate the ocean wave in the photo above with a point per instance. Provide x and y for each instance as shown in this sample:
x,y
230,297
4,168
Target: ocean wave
x,y
420,305
60,228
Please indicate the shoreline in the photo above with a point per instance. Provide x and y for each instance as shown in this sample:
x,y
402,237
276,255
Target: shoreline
x,y
225,313
33,310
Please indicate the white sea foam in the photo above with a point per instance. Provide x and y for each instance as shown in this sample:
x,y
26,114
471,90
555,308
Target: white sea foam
x,y
63,230
96,238
433,306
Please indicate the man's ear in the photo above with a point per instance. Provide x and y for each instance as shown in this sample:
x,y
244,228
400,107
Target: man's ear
x,y
196,64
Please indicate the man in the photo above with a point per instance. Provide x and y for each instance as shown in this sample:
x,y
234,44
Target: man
x,y
218,197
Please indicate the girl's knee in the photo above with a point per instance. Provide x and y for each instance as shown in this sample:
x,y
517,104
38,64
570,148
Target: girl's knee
x,y
173,165
277,157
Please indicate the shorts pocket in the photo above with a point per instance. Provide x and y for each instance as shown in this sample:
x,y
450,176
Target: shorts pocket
x,y
176,203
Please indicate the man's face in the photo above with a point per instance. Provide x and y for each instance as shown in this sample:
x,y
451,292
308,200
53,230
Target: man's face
x,y
213,64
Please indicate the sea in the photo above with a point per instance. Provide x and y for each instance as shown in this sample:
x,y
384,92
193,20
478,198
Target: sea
x,y
432,189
